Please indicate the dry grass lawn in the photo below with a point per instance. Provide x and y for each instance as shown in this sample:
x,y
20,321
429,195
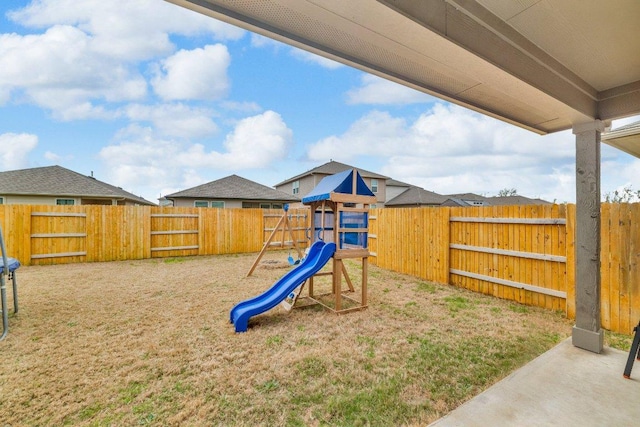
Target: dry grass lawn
x,y
149,342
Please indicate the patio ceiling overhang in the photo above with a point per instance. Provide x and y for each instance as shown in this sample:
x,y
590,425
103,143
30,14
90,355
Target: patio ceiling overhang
x,y
626,139
542,65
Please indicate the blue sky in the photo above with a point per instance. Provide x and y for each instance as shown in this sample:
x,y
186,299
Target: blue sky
x,y
155,99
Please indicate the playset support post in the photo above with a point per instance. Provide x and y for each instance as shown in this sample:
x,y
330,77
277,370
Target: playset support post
x,y
332,209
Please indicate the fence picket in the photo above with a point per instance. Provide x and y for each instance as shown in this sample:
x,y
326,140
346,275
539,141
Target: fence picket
x,y
424,242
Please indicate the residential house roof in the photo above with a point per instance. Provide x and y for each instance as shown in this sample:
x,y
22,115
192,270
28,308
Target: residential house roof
x,y
395,183
467,196
59,181
233,187
332,168
516,200
416,196
339,183
470,199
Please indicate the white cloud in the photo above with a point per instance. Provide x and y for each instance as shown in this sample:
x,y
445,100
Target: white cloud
x,y
15,149
258,141
59,70
259,41
194,74
378,91
312,58
450,149
174,120
143,160
125,29
89,53
243,107
377,133
52,157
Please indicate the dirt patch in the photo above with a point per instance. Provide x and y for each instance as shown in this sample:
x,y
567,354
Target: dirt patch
x,y
149,342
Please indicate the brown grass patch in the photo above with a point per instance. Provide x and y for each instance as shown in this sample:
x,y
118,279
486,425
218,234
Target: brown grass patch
x,y
149,342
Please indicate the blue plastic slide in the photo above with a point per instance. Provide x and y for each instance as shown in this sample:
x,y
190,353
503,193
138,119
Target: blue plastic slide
x,y
318,256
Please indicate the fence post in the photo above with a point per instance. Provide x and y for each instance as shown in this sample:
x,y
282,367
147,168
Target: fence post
x,y
445,240
571,261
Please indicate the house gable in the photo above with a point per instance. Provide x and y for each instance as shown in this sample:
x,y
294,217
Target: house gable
x,y
48,185
307,181
234,191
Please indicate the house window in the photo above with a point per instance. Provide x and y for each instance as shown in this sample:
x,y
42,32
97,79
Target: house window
x,y
65,202
374,185
1,200
296,187
217,204
276,206
201,204
265,206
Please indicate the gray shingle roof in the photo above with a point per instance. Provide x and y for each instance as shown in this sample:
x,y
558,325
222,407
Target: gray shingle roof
x,y
396,183
332,168
416,196
467,196
516,200
470,199
59,181
233,187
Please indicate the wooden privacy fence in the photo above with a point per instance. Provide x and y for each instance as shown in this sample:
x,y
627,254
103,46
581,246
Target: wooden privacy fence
x,y
521,253
620,266
65,234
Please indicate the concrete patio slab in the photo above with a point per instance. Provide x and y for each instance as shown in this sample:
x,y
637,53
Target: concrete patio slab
x,y
566,386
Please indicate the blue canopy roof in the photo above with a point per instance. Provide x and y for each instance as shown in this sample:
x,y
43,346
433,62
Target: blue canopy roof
x,y
339,183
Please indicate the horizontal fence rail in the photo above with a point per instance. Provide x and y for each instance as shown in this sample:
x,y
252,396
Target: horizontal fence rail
x,y
67,234
521,253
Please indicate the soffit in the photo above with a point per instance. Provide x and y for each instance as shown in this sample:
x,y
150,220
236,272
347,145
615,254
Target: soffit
x,y
542,65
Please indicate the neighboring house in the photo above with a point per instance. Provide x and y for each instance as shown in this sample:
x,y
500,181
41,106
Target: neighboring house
x,y
516,200
55,185
395,188
231,192
394,194
465,199
416,196
470,199
302,184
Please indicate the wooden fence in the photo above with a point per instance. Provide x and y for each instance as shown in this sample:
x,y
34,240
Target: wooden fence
x,y
521,253
620,266
65,234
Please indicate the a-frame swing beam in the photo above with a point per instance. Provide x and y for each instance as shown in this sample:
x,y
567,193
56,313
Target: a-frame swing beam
x,y
283,225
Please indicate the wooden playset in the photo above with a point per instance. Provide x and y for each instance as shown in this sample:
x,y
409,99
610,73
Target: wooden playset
x,y
340,214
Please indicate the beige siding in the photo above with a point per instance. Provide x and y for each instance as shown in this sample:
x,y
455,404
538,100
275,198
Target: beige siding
x,y
189,203
34,200
393,191
310,182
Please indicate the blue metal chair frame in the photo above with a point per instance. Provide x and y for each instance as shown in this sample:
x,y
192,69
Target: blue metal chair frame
x,y
8,269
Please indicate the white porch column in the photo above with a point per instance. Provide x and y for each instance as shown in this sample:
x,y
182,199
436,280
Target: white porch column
x,y
587,333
